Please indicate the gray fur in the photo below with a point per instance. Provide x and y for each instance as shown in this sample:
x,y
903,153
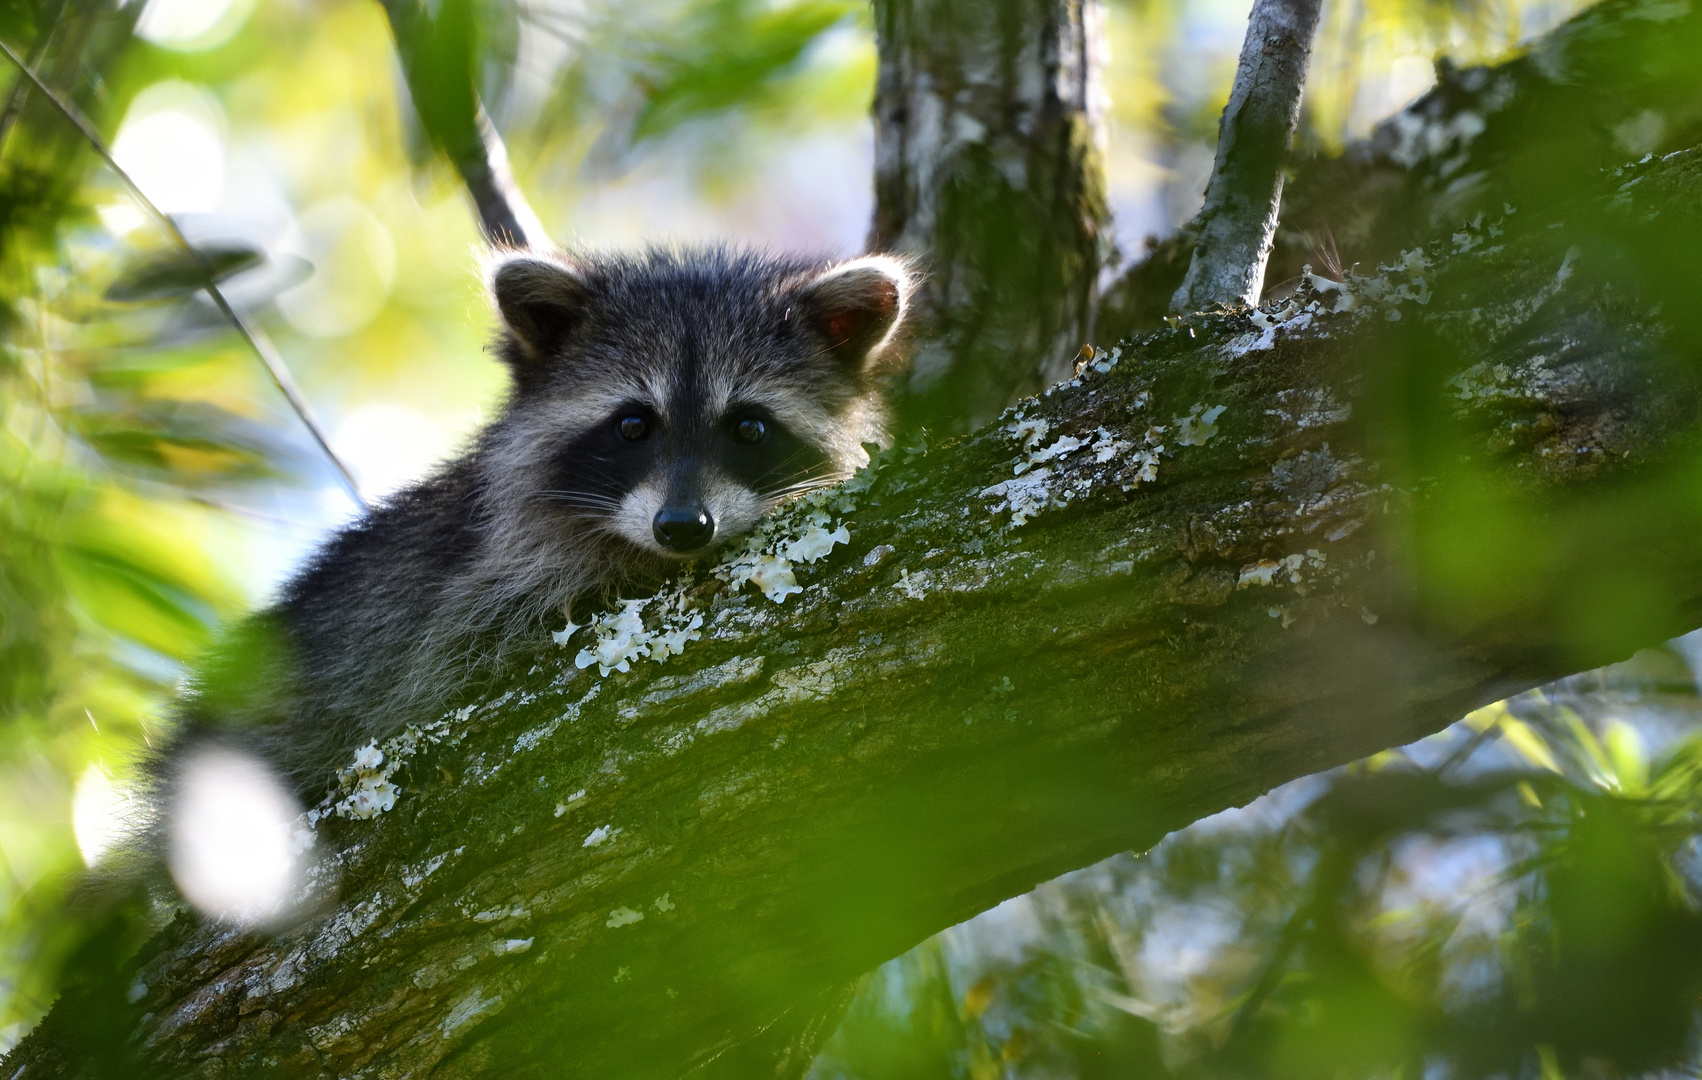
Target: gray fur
x,y
452,578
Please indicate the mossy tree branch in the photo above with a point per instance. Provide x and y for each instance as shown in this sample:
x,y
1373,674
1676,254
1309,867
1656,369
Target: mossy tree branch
x,y
1481,477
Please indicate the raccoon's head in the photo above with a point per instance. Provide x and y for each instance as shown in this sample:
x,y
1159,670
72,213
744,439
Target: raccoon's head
x,y
671,398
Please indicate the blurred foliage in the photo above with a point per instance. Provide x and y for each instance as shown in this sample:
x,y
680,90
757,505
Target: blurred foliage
x,y
105,581
748,44
151,484
1516,896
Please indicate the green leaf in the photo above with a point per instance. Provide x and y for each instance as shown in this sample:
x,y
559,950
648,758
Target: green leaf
x,y
175,272
732,52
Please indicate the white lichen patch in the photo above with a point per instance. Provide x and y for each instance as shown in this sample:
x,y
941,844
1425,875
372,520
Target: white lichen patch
x,y
412,876
365,787
652,628
1317,296
1028,432
1289,570
1097,360
1065,444
1405,280
1107,446
1312,407
623,916
803,531
1199,426
602,834
1027,495
1475,234
1058,473
914,587
1332,296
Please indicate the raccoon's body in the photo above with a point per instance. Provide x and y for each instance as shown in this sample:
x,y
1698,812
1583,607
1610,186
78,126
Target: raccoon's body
x,y
660,404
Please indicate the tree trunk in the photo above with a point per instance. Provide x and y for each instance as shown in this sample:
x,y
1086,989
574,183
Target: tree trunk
x,y
988,137
1250,549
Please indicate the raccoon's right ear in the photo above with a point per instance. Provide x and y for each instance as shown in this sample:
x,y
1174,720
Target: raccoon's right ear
x,y
540,300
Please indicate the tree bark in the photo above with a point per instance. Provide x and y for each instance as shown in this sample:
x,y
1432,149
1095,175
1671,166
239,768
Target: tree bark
x,y
988,141
1237,225
1365,519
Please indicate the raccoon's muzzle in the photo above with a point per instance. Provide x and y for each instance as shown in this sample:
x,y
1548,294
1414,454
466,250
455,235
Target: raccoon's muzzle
x,y
683,528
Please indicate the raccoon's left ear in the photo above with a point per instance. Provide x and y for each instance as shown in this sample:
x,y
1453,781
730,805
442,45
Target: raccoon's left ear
x,y
856,306
540,299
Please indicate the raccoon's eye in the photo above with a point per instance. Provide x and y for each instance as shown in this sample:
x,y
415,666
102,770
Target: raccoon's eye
x,y
750,430
633,428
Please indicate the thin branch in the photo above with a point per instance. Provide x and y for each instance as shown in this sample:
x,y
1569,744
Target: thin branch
x,y
20,90
504,214
462,129
1237,224
256,338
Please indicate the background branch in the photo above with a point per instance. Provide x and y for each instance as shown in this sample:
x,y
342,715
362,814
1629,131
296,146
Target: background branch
x,y
439,55
1237,224
1612,83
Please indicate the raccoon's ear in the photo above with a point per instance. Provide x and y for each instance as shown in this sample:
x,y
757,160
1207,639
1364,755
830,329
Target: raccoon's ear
x,y
540,300
856,306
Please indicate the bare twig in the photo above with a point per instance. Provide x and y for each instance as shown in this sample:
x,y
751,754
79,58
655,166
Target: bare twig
x,y
462,130
1237,224
256,338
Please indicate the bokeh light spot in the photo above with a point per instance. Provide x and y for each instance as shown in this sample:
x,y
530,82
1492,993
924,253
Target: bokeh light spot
x,y
192,25
230,851
354,263
170,144
388,444
100,814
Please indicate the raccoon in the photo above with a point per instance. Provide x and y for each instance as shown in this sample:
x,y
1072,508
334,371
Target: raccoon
x,y
660,403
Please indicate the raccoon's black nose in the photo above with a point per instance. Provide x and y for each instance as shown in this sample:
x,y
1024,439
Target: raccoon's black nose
x,y
683,528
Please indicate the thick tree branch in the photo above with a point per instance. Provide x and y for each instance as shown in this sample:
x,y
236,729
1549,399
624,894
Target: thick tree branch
x,y
1237,225
1362,523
